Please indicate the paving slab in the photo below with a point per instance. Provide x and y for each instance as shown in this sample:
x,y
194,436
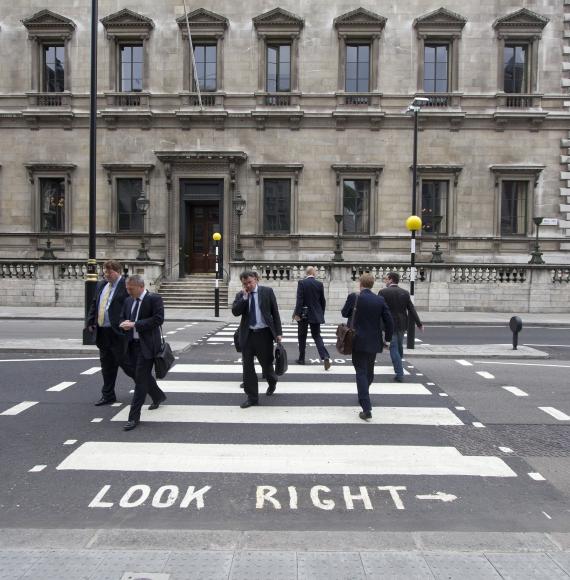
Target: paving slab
x,y
328,565
257,565
396,566
535,566
199,565
461,567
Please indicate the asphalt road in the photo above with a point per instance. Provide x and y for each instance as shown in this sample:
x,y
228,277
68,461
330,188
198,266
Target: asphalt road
x,y
452,450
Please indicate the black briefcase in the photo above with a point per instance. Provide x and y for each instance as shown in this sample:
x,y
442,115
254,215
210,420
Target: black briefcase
x,y
281,365
236,340
164,360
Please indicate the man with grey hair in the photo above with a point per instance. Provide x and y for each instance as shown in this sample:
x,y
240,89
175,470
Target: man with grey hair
x,y
310,312
142,317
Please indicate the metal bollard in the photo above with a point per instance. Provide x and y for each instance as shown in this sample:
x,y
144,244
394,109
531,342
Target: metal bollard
x,y
515,324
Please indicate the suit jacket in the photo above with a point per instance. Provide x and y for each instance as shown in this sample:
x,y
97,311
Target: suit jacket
x,y
269,310
311,293
115,307
371,316
400,305
151,317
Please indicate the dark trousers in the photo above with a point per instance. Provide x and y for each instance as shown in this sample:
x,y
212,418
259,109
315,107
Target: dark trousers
x,y
258,344
113,354
363,363
144,381
316,334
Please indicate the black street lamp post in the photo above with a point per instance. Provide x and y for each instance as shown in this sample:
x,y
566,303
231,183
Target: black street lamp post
x,y
239,206
536,255
142,206
338,242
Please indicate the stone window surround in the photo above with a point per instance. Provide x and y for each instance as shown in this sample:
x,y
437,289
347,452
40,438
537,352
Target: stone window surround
x,y
206,28
284,28
352,29
529,173
510,31
449,173
126,27
46,28
290,171
430,30
359,171
117,171
39,170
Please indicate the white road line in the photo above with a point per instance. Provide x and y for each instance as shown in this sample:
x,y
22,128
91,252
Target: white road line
x,y
37,468
536,476
61,386
91,371
171,332
464,363
478,425
443,395
19,408
97,420
116,404
293,415
47,359
516,391
555,413
282,459
506,449
293,370
460,408
228,340
430,384
70,442
485,375
549,517
554,345
489,362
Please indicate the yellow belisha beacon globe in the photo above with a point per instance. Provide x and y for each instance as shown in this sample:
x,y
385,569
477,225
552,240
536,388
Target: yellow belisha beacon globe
x,y
217,237
414,223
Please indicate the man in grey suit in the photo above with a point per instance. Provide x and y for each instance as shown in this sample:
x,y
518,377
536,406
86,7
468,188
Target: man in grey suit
x,y
260,325
310,312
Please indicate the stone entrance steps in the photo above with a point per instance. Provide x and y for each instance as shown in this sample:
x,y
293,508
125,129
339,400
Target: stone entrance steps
x,y
195,291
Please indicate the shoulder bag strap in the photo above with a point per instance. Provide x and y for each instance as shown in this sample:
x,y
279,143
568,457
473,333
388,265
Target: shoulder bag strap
x,y
354,312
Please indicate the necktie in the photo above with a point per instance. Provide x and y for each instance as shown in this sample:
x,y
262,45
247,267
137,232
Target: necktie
x,y
135,310
252,315
103,305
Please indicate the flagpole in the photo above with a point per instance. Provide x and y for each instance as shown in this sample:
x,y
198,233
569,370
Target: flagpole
x,y
197,83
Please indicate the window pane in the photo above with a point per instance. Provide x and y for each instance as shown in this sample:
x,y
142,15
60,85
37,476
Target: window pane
x,y
272,54
441,86
513,207
53,69
429,86
277,205
515,69
434,203
351,69
351,53
441,53
126,54
52,203
357,76
211,53
351,86
137,54
436,71
356,199
429,54
199,53
129,217
285,53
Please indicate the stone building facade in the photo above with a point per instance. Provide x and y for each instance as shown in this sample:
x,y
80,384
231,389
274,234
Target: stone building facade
x,y
303,118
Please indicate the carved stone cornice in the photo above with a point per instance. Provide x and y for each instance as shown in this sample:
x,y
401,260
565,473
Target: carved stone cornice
x,y
48,24
200,156
360,21
34,168
433,169
522,20
278,21
127,23
203,23
516,170
130,168
441,21
357,168
288,168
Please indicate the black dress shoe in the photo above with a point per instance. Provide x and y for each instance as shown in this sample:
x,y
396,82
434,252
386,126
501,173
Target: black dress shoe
x,y
399,379
365,415
102,401
271,389
327,363
130,425
248,403
242,386
157,404
300,361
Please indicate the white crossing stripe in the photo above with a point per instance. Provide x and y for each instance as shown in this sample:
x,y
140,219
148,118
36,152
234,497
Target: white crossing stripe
x,y
293,370
516,391
283,459
464,363
287,340
19,408
297,388
536,476
293,415
37,468
91,371
61,386
555,413
485,375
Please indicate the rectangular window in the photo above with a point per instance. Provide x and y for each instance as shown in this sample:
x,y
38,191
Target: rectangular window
x,y
52,203
278,68
205,56
434,203
514,207
54,69
436,68
515,69
356,204
357,68
131,67
129,218
277,206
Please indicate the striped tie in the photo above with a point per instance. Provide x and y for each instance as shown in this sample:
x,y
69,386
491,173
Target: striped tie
x,y
103,305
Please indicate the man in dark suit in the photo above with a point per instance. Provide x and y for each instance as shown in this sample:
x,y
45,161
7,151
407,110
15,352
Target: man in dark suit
x,y
103,321
401,307
367,313
142,317
310,312
260,325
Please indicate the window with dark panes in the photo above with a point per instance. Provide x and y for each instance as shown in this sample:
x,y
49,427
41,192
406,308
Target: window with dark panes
x,y
52,204
129,218
205,56
436,68
434,203
515,69
357,68
54,69
514,207
277,206
356,204
278,68
131,68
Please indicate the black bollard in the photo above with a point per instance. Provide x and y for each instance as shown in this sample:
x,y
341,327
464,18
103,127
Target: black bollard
x,y
515,324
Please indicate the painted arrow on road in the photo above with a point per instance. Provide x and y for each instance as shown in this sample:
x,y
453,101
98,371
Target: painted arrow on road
x,y
445,497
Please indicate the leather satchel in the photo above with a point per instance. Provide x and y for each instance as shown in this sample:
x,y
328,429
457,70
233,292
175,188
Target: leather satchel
x,y
345,334
236,341
164,360
281,365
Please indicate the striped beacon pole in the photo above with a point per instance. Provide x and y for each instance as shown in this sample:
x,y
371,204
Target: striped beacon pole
x,y
217,237
413,223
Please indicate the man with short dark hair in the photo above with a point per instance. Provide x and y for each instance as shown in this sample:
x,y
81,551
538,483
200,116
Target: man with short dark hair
x,y
103,322
401,307
260,325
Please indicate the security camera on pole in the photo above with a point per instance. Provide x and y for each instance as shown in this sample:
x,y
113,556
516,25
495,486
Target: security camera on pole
x,y
217,237
414,223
